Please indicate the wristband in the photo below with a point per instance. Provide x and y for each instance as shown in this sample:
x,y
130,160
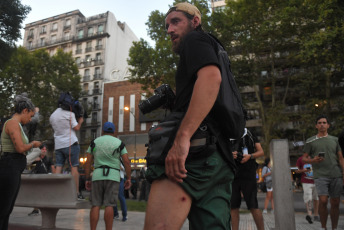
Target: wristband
x,y
252,157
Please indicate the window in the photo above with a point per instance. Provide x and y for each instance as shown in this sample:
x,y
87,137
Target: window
x,y
42,42
78,61
97,71
53,38
90,31
68,22
96,85
100,29
95,103
85,87
80,33
94,133
88,58
94,117
98,57
78,48
99,44
66,36
31,32
87,72
88,46
43,29
54,26
30,45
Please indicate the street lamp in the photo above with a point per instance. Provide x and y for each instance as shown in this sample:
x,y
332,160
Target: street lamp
x,y
132,113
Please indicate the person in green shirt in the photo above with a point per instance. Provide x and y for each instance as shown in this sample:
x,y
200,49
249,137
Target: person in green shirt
x,y
107,152
325,155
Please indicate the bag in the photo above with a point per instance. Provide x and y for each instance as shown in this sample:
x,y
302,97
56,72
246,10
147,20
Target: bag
x,y
268,184
66,101
262,186
161,138
228,109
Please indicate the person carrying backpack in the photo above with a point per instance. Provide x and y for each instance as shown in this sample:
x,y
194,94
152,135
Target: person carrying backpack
x,y
246,151
194,180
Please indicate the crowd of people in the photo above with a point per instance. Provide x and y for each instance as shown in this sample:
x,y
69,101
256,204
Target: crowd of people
x,y
204,175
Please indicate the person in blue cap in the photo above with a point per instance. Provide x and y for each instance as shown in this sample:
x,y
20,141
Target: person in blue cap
x,y
107,152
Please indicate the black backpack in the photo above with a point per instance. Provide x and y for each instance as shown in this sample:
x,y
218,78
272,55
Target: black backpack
x,y
66,101
228,109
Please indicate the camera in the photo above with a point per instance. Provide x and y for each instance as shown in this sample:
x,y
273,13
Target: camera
x,y
67,102
240,156
163,96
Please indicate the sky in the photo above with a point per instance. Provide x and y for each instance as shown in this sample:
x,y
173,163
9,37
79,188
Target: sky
x,y
134,13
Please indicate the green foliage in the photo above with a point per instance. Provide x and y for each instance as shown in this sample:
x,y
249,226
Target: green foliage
x,y
43,77
12,14
290,52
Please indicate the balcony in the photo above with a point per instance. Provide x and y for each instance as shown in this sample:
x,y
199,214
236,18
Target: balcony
x,y
43,32
98,62
95,106
86,78
67,27
97,76
30,36
97,91
84,93
87,64
88,49
99,47
78,51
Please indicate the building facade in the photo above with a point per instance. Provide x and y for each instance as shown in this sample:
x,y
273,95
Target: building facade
x,y
100,45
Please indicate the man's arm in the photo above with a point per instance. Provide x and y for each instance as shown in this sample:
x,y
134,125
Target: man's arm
x,y
88,171
258,153
78,126
341,162
203,98
127,167
307,159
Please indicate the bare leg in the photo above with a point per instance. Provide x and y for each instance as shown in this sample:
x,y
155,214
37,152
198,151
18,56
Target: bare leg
x,y
58,169
94,217
323,213
108,217
235,219
267,199
75,174
309,208
316,207
168,206
334,213
258,218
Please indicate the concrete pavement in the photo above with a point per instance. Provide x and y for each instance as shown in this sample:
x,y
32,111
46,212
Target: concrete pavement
x,y
79,219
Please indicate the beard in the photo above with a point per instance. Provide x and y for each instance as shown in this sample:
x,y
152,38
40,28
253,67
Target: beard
x,y
177,46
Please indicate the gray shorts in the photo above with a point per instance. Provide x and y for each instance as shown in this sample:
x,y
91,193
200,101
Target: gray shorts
x,y
331,187
104,193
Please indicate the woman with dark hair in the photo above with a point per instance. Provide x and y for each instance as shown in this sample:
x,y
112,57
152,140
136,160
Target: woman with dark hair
x,y
15,146
266,174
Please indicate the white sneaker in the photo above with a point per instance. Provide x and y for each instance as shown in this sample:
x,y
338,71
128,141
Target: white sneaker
x,y
265,211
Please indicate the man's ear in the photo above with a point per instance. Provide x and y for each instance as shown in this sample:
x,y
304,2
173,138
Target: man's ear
x,y
195,21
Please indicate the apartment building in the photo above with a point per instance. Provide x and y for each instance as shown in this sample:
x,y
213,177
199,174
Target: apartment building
x,y
100,45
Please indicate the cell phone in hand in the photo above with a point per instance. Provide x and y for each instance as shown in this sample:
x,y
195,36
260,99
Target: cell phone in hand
x,y
321,154
308,168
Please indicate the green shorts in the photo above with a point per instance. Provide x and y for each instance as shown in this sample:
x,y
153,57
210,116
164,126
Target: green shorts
x,y
209,183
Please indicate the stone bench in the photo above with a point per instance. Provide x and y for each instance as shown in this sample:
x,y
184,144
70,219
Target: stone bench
x,y
49,193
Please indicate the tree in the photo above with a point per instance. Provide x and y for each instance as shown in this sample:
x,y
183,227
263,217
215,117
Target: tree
x,y
12,14
322,55
43,77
